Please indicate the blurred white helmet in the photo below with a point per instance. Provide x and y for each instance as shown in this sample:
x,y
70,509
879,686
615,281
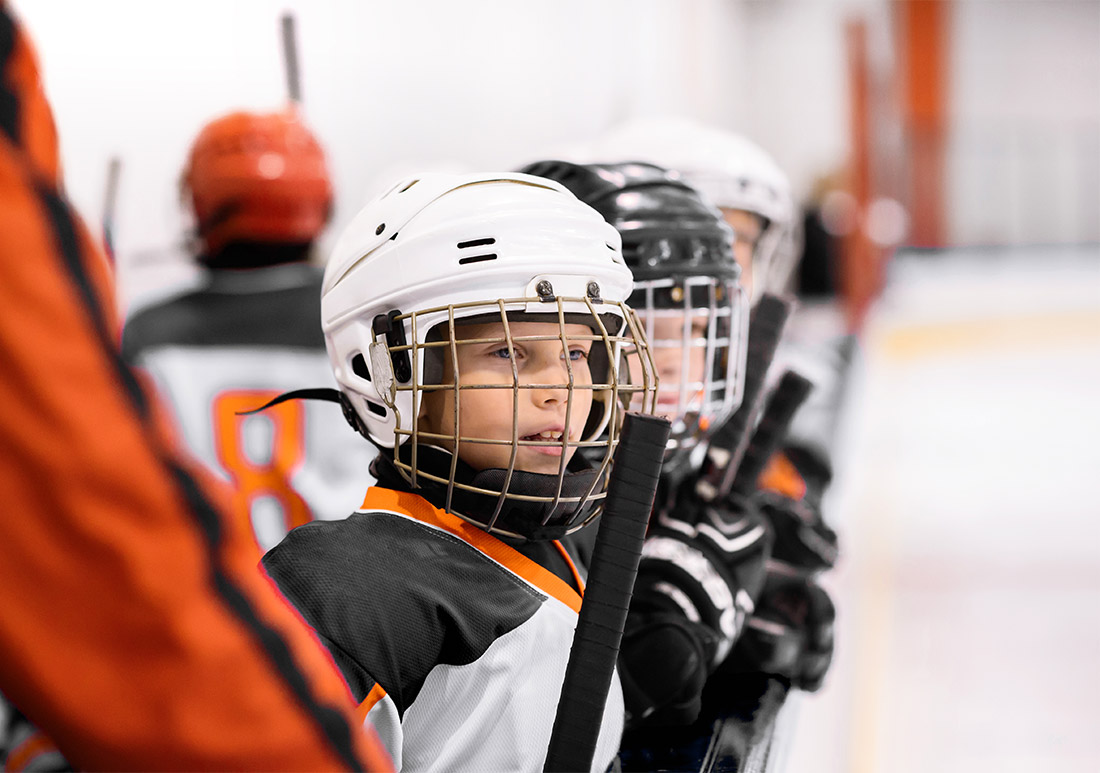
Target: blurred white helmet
x,y
440,250
731,171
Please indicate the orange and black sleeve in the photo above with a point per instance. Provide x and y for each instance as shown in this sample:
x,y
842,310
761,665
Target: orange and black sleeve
x,y
137,631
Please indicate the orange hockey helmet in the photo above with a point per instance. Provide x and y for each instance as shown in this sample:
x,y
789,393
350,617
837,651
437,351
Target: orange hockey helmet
x,y
257,178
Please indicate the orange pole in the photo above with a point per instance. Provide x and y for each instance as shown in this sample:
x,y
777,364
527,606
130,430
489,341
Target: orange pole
x,y
923,46
859,274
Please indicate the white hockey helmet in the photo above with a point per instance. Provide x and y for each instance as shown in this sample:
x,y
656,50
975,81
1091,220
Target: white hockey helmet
x,y
730,170
440,250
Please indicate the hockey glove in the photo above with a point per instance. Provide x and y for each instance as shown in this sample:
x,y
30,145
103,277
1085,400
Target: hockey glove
x,y
791,633
701,570
803,541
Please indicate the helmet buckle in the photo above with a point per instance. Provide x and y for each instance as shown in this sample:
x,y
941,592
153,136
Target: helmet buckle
x,y
382,365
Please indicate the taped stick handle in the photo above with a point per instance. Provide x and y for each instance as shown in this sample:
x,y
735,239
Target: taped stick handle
x,y
615,556
783,402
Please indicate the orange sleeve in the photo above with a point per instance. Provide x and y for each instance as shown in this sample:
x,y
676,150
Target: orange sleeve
x,y
137,631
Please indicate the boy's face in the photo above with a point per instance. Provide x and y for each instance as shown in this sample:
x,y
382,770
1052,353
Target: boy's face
x,y
487,413
665,332
747,229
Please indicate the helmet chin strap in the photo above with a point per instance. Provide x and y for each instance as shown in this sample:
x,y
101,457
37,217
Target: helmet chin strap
x,y
326,394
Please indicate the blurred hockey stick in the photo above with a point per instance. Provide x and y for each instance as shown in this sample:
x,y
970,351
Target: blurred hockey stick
x,y
782,404
290,60
630,492
746,744
729,442
110,204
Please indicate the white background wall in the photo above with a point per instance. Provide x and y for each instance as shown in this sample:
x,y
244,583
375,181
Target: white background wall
x,y
390,87
1024,146
393,86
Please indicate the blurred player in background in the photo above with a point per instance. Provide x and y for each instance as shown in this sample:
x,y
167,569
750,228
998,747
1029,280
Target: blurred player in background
x,y
259,189
703,564
136,630
755,198
704,575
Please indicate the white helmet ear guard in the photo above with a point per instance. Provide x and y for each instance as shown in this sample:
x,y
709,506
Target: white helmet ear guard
x,y
441,251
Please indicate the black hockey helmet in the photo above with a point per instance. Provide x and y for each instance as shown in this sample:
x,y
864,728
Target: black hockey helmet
x,y
680,250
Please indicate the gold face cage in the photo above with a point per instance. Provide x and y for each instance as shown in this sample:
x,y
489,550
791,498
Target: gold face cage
x,y
616,339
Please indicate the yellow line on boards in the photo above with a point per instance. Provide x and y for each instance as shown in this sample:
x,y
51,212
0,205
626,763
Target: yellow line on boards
x,y
1017,331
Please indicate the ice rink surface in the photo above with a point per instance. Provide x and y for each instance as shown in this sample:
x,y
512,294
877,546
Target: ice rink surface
x,y
968,505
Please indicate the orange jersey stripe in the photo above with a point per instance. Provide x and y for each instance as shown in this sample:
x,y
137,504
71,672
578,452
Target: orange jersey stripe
x,y
572,567
25,753
376,694
417,507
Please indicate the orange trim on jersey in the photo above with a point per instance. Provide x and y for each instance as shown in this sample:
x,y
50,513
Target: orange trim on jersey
x,y
419,508
572,567
25,753
782,477
376,694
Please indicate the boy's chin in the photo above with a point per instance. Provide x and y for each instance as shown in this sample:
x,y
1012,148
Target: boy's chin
x,y
530,461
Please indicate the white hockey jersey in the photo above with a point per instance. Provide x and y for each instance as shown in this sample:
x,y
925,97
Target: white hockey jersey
x,y
454,642
232,345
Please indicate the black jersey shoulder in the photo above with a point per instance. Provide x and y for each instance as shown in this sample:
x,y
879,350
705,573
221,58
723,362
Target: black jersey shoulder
x,y
393,598
278,306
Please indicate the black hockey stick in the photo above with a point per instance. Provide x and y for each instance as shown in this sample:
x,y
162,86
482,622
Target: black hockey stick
x,y
746,744
630,492
782,403
290,59
729,442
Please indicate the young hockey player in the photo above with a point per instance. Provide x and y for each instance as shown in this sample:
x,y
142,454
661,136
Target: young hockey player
x,y
478,330
702,565
260,193
135,629
755,198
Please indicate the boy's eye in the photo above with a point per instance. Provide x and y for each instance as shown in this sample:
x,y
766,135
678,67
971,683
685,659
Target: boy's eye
x,y
502,353
578,354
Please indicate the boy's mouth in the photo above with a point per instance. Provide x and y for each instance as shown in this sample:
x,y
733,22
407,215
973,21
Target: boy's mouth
x,y
550,435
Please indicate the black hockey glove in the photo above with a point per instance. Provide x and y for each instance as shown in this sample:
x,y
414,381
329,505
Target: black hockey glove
x,y
803,541
791,633
701,571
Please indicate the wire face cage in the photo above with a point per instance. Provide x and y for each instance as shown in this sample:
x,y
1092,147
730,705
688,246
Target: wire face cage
x,y
697,327
515,389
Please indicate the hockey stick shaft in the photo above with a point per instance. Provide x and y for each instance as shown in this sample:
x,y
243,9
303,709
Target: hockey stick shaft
x,y
766,324
782,404
110,204
290,59
630,492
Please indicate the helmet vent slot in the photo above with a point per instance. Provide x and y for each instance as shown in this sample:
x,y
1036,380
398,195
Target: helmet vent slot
x,y
414,182
476,243
359,366
476,258
375,408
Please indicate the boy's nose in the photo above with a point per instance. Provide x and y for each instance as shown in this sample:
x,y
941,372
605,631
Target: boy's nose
x,y
548,376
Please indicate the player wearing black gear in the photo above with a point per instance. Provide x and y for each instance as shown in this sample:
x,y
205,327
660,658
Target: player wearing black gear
x,y
703,564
